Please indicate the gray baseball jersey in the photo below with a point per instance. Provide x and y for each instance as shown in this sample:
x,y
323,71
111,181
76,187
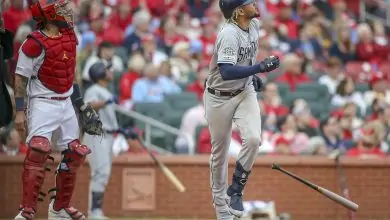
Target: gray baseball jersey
x,y
100,159
233,46
237,47
107,113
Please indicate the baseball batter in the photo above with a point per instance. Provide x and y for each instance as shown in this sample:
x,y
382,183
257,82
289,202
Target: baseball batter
x,y
100,159
231,97
45,74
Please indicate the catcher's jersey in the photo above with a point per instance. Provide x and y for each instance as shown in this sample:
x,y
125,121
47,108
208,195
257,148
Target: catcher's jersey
x,y
29,67
233,46
107,114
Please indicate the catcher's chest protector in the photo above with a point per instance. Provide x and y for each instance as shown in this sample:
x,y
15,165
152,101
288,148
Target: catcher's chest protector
x,y
57,70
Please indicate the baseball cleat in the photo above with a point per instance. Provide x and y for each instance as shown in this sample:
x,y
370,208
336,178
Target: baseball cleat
x,y
97,214
69,213
236,207
25,214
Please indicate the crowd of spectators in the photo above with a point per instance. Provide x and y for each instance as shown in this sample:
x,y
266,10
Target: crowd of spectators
x,y
163,47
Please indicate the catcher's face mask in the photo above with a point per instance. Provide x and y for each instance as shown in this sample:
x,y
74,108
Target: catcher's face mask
x,y
59,13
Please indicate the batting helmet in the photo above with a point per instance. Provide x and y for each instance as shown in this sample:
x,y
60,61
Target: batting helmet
x,y
98,71
228,6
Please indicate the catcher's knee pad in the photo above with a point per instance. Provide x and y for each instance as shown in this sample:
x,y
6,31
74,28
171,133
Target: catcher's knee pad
x,y
34,170
73,157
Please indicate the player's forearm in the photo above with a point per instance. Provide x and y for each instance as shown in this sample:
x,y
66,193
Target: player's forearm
x,y
76,97
20,91
98,104
233,72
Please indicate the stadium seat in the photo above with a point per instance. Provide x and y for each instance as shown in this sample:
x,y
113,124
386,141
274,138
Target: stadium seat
x,y
358,71
153,110
283,89
321,90
319,109
173,118
362,87
181,101
306,95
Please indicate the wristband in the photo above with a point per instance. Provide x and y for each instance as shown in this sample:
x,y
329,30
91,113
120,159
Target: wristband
x,y
19,104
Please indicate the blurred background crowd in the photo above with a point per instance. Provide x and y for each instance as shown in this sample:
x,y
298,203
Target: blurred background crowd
x,y
331,92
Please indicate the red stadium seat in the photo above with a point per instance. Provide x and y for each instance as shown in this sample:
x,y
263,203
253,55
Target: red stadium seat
x,y
359,71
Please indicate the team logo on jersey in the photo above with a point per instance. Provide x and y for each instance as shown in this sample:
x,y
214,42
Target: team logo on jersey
x,y
65,57
245,53
228,51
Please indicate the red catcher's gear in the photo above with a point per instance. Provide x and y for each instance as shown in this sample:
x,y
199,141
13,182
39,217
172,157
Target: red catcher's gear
x,y
66,173
55,13
34,173
58,67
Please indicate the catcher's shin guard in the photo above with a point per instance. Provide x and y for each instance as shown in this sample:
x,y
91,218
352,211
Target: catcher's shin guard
x,y
34,174
72,158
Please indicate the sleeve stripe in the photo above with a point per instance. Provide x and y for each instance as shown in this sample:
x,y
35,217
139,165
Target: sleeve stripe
x,y
227,62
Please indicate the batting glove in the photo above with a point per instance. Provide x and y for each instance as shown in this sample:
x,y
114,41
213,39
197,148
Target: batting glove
x,y
269,64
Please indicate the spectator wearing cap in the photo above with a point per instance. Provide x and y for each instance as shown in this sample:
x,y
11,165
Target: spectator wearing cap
x,y
150,51
343,47
369,142
197,87
330,132
141,22
288,135
293,75
384,118
181,61
379,88
349,122
151,87
305,122
285,21
334,74
15,15
345,93
105,53
95,20
135,66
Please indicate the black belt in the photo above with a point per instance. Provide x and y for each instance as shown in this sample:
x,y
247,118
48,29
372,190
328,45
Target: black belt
x,y
222,93
111,131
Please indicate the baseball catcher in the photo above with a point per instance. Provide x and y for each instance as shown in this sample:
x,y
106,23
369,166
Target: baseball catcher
x,y
45,75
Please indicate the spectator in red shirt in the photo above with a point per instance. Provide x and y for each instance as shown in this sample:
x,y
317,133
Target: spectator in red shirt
x,y
168,34
197,87
366,49
293,74
121,15
368,145
285,20
15,16
208,38
381,42
271,103
135,66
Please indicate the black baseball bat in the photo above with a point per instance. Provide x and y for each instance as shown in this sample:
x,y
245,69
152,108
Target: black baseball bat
x,y
331,195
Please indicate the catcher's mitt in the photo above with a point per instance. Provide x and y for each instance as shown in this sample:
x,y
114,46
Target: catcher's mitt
x,y
90,121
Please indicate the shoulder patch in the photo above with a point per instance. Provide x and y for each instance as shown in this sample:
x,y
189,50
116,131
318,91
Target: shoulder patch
x,y
31,47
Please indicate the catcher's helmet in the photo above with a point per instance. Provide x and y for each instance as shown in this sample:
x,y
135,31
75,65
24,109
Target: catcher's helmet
x,y
54,11
98,71
228,6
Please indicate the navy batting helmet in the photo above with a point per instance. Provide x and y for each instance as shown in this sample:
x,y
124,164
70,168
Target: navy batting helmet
x,y
228,6
98,71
